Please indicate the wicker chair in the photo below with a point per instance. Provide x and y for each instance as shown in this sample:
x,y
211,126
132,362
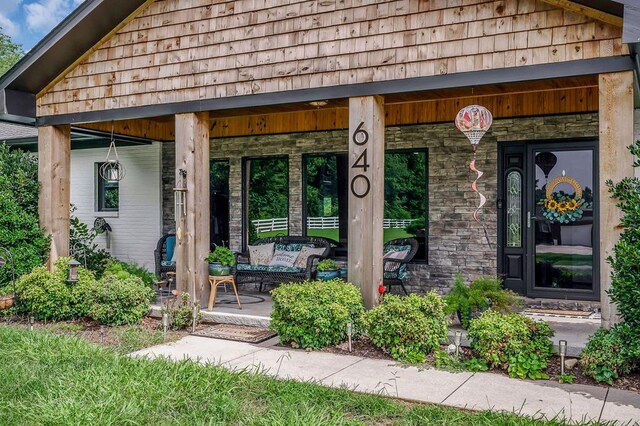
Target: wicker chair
x,y
160,254
243,273
395,270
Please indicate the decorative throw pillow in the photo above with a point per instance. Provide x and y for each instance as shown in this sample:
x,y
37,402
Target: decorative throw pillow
x,y
261,254
394,254
284,258
304,255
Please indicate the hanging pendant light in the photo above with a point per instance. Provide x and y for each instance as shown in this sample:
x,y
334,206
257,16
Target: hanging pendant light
x,y
112,170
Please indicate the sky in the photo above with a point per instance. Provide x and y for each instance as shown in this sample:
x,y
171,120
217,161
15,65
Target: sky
x,y
28,21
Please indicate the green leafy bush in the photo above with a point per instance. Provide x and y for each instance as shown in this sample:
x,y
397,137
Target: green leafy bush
x,y
606,358
610,354
408,328
512,342
118,301
20,231
482,294
180,312
127,269
315,314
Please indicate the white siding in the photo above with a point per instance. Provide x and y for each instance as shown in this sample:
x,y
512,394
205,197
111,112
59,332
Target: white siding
x,y
137,225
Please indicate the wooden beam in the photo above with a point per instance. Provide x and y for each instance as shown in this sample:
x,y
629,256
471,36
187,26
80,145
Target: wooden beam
x,y
366,195
139,128
192,232
616,163
587,11
54,167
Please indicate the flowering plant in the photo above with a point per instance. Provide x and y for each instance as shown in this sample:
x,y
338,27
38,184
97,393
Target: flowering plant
x,y
563,208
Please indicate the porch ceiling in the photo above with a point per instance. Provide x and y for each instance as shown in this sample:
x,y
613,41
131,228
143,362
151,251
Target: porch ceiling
x,y
542,97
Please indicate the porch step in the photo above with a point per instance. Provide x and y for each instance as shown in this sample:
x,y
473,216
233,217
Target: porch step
x,y
224,318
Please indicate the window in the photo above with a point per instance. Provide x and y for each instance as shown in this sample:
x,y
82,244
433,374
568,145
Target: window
x,y
266,197
405,204
219,203
107,194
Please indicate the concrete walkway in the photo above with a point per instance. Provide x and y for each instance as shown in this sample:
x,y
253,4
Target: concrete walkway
x,y
477,391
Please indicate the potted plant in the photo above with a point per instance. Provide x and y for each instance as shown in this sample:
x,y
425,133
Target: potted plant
x,y
221,260
468,302
328,270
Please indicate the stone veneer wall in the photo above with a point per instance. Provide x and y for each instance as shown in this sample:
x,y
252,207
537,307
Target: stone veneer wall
x,y
456,242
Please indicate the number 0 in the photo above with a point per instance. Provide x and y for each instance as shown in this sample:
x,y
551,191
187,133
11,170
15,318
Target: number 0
x,y
367,186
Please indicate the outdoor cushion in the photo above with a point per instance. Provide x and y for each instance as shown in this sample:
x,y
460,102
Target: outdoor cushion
x,y
400,274
268,268
168,263
390,247
284,258
171,252
304,255
293,246
394,254
261,254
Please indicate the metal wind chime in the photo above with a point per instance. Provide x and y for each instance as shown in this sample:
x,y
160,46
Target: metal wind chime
x,y
474,121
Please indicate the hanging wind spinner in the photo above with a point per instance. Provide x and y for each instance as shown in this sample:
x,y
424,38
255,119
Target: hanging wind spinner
x,y
474,121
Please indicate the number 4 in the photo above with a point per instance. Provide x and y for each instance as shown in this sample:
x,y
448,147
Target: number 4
x,y
361,162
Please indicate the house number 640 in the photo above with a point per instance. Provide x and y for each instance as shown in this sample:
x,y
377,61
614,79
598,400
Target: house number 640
x,y
361,137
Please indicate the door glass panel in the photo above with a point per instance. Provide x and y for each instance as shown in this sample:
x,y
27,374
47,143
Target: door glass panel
x,y
563,219
514,209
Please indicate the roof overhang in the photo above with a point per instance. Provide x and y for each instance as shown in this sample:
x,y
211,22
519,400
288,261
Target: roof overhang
x,y
94,20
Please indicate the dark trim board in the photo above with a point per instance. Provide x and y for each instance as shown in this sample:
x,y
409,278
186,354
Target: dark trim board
x,y
578,68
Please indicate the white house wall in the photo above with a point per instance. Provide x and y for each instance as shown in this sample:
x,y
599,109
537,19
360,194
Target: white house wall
x,y
137,224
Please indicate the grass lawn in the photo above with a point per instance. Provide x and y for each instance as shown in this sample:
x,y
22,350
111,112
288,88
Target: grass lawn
x,y
60,380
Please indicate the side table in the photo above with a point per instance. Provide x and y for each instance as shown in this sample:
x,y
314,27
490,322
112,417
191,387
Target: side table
x,y
215,281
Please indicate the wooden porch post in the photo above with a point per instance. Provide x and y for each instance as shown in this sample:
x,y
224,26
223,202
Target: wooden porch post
x,y
616,162
192,232
54,167
366,194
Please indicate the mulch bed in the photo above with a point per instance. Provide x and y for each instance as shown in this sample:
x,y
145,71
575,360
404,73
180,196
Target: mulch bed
x,y
363,347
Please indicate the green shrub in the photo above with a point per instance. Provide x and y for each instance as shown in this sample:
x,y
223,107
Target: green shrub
x,y
315,314
605,358
512,342
408,328
116,301
483,293
20,231
180,312
126,269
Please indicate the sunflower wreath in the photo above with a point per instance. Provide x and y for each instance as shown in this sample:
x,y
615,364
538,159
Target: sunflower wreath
x,y
560,206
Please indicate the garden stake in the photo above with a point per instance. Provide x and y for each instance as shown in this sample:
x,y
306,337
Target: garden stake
x,y
349,333
101,334
195,316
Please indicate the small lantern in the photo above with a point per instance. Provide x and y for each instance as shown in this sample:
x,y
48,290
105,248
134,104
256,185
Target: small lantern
x,y
112,170
101,334
165,323
32,321
180,196
457,340
350,334
196,310
562,349
73,271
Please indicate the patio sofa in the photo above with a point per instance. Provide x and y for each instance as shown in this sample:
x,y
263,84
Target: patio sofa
x,y
165,255
268,261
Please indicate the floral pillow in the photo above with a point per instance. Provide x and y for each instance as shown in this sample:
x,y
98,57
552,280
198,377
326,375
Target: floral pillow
x,y
261,254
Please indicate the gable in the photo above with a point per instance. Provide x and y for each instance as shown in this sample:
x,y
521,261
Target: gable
x,y
187,50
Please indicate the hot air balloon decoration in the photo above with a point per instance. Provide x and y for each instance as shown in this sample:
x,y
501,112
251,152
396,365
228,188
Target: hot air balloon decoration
x,y
474,121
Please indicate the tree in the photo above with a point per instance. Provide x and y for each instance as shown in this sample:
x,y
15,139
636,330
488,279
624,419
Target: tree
x,y
19,228
10,52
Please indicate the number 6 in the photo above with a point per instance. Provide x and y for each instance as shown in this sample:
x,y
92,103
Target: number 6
x,y
360,131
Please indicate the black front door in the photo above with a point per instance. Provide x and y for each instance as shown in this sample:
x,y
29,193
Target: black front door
x,y
548,234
